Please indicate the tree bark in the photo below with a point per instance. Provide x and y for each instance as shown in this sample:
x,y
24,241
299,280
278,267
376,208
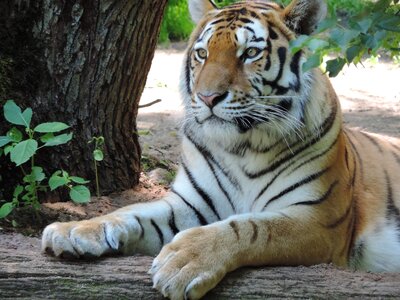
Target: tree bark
x,y
24,273
84,63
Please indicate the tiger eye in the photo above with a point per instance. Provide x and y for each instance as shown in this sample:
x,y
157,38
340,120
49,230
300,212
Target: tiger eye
x,y
252,52
202,53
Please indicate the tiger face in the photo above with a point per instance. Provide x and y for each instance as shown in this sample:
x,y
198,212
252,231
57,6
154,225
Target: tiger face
x,y
240,74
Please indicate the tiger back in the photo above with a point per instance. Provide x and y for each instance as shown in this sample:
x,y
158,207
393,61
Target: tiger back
x,y
268,173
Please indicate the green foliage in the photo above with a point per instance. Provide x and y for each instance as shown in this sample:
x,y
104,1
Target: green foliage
x,y
21,147
176,24
374,29
97,157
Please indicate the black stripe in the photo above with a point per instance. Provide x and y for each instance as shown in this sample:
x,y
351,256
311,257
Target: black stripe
x,y
393,212
202,35
297,167
235,228
373,141
278,89
209,156
158,230
273,35
217,21
355,153
256,39
321,199
200,191
343,218
295,68
254,236
141,228
187,73
317,155
249,29
256,88
171,220
282,59
328,123
199,216
268,58
298,184
396,156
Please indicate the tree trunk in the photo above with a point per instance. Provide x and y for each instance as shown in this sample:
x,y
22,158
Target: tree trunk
x,y
24,273
83,63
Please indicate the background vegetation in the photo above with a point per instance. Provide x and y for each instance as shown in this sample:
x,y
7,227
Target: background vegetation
x,y
354,29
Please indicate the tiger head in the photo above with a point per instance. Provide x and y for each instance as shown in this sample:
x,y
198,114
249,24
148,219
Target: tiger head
x,y
239,74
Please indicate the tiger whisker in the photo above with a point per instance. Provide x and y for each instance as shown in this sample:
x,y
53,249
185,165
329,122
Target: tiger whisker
x,y
293,123
275,97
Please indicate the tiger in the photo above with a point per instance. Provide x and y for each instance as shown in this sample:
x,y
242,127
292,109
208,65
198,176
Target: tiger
x,y
268,176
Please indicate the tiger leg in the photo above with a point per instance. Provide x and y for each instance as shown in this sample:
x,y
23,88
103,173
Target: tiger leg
x,y
138,228
198,258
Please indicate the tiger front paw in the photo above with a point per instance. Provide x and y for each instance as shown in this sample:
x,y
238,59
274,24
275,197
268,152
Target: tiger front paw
x,y
91,238
191,265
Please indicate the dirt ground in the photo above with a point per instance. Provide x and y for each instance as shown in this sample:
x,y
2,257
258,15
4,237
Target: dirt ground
x,y
370,97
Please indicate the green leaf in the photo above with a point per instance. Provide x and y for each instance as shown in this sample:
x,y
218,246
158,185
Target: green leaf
x,y
51,127
79,180
15,134
381,5
27,115
56,181
298,44
343,37
315,44
312,62
23,151
6,209
17,191
326,24
7,149
58,140
80,194
353,52
14,115
369,41
46,137
364,24
334,66
65,174
390,24
36,175
98,155
4,140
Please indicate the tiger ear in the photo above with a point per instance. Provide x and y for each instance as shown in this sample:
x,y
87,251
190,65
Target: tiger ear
x,y
303,16
198,8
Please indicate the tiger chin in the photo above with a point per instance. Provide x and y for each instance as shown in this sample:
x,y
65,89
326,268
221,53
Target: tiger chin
x,y
268,175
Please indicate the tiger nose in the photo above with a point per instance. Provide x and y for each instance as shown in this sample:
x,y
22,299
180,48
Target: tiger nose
x,y
212,99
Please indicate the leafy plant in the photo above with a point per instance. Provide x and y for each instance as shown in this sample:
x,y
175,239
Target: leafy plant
x,y
374,28
97,157
21,148
176,24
